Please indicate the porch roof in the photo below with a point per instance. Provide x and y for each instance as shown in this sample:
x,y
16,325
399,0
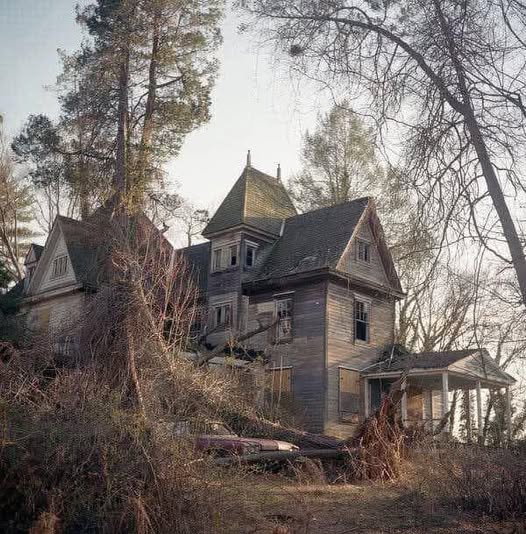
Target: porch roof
x,y
472,364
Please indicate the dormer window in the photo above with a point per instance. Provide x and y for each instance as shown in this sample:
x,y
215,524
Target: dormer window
x,y
60,266
363,251
250,255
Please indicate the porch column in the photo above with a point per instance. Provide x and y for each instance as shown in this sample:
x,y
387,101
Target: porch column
x,y
367,398
403,404
508,414
479,412
445,399
469,427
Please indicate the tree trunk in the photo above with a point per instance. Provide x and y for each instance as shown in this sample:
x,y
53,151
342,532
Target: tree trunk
x,y
496,194
499,203
148,126
120,184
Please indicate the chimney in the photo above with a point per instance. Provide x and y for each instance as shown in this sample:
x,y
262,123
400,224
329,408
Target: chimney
x,y
249,159
278,173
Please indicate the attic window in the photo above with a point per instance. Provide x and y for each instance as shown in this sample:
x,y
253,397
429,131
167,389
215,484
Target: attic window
x,y
363,251
60,266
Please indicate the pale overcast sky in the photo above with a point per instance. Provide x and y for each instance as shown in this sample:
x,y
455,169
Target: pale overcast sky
x,y
255,105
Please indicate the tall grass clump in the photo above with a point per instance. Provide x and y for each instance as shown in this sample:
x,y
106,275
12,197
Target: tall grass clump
x,y
490,482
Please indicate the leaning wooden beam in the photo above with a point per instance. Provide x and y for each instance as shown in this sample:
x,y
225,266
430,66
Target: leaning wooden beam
x,y
285,455
206,357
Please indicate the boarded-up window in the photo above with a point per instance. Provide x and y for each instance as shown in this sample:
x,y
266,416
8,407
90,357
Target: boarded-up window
x,y
349,393
278,386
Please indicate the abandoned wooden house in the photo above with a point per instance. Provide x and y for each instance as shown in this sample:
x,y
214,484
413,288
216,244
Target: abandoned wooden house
x,y
323,282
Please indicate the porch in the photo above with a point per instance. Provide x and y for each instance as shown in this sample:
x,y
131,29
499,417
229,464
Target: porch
x,y
427,379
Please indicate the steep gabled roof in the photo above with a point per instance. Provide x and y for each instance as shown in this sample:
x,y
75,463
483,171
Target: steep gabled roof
x,y
256,200
198,258
314,239
83,240
34,252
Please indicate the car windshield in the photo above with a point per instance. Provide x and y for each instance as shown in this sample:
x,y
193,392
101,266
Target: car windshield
x,y
218,429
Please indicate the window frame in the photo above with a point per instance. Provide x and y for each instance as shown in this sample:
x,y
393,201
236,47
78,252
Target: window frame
x,y
279,299
367,310
61,260
219,307
222,255
217,253
254,248
367,251
231,256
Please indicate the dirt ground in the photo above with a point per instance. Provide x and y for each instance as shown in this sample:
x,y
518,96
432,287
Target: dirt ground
x,y
284,507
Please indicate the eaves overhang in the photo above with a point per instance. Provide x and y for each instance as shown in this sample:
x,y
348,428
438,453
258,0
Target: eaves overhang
x,y
327,273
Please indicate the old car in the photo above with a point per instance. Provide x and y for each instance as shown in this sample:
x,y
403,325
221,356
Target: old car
x,y
217,438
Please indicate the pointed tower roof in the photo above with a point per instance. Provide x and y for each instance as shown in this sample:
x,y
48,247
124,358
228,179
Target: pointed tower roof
x,y
256,200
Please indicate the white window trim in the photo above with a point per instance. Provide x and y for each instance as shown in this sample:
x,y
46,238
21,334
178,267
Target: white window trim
x,y
368,302
253,245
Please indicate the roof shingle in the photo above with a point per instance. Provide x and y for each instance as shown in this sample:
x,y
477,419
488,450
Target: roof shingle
x,y
257,200
312,240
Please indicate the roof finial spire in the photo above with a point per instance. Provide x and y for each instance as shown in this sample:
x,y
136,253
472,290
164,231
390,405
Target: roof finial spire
x,y
249,159
278,172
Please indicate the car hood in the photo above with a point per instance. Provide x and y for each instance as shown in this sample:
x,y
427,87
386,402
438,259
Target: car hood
x,y
265,444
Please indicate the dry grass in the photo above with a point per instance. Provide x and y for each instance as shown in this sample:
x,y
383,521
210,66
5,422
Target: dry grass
x,y
276,504
490,482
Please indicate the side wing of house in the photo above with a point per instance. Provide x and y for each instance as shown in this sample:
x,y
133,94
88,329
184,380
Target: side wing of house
x,y
360,322
52,298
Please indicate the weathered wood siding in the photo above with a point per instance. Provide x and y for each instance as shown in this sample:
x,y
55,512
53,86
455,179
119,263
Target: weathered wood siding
x,y
56,315
344,351
372,271
305,353
225,285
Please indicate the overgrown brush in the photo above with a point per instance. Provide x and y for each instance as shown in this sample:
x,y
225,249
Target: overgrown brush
x,y
379,449
86,442
487,481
